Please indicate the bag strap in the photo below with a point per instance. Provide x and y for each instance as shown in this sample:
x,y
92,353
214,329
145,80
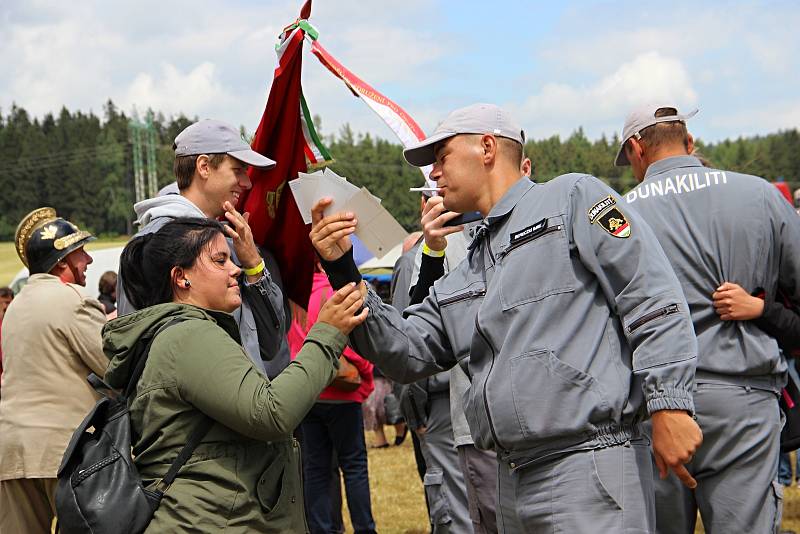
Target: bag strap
x,y
197,434
99,384
195,437
139,369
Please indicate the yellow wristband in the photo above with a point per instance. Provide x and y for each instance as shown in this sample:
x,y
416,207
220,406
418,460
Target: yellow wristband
x,y
434,253
258,269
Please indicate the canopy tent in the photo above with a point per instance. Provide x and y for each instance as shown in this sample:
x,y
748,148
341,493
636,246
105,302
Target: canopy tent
x,y
386,261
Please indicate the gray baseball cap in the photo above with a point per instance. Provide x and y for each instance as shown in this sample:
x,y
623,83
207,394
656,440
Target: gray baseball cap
x,y
215,137
641,118
474,119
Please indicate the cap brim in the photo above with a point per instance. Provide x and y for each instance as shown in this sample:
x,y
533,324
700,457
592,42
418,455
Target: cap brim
x,y
622,158
422,154
252,158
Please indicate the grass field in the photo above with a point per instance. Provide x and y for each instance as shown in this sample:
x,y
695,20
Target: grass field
x,y
399,506
10,264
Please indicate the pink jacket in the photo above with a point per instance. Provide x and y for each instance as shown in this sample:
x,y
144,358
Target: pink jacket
x,y
297,335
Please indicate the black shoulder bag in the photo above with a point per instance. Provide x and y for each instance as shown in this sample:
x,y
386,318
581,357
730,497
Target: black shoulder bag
x,y
99,489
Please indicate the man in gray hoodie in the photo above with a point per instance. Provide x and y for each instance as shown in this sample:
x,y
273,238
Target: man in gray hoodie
x,y
211,162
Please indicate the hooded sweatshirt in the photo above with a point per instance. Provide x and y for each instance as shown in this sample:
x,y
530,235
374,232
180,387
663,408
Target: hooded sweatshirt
x,y
245,473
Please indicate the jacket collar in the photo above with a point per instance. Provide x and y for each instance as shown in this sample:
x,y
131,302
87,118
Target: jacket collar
x,y
509,201
500,210
667,164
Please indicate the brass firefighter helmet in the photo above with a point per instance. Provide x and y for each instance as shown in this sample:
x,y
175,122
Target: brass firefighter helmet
x,y
43,239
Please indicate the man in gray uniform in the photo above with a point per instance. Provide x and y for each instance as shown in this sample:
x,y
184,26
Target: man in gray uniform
x,y
718,226
211,162
575,327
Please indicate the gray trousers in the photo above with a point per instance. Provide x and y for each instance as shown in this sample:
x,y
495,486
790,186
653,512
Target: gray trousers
x,y
480,473
603,490
736,466
444,482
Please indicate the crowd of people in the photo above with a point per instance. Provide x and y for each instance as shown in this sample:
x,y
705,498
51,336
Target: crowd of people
x,y
577,360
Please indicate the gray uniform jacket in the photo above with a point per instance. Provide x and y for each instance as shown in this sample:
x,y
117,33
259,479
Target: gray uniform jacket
x,y
718,226
155,213
573,334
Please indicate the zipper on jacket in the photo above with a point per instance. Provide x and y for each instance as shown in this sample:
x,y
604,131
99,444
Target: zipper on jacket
x,y
489,248
463,296
532,237
485,380
652,316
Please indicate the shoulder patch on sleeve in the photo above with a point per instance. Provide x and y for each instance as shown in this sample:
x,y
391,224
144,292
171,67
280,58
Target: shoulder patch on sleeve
x,y
610,218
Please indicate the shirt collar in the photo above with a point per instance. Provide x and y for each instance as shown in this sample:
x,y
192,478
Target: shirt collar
x,y
667,164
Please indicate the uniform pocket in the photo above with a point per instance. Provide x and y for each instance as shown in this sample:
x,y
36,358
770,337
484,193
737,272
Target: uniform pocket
x,y
552,398
607,475
536,267
437,497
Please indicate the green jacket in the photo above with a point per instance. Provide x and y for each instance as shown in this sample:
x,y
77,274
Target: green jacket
x,y
245,474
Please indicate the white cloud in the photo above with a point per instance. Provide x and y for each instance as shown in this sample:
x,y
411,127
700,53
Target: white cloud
x,y
768,117
201,57
650,76
198,91
205,58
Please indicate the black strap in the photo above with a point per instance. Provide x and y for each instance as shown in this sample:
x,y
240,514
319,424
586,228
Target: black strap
x,y
139,369
98,383
197,434
195,437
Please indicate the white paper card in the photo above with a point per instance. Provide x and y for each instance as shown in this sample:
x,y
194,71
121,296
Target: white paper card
x,y
377,229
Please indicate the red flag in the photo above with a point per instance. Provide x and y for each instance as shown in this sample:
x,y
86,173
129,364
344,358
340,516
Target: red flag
x,y
274,217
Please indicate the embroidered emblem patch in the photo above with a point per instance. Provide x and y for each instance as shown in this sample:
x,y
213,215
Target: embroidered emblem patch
x,y
608,216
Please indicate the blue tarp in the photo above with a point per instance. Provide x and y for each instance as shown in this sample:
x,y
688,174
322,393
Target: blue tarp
x,y
361,253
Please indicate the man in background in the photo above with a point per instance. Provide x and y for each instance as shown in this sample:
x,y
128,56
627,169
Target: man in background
x,y
6,296
719,226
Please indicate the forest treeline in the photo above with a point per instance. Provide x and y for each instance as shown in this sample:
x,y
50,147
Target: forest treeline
x,y
82,164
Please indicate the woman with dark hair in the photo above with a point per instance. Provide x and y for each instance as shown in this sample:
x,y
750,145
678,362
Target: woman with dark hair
x,y
245,473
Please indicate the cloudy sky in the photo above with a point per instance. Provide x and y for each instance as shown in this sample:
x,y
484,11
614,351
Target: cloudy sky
x,y
557,65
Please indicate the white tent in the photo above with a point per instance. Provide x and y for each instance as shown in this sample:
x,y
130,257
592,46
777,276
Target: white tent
x,y
386,261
